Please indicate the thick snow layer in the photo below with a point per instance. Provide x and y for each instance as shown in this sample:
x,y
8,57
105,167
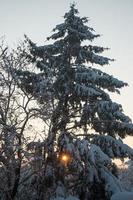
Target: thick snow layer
x,y
67,198
123,196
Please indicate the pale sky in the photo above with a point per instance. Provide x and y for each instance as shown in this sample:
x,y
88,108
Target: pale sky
x,y
113,19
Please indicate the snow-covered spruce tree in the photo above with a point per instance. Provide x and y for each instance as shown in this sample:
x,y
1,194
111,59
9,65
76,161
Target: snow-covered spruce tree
x,y
86,126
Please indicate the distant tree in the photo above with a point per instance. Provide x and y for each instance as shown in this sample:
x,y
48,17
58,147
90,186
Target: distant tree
x,y
85,127
126,176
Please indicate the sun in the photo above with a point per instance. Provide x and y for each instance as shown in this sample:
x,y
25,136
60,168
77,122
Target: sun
x,y
65,158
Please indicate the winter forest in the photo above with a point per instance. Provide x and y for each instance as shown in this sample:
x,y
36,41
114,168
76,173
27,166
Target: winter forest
x,y
60,131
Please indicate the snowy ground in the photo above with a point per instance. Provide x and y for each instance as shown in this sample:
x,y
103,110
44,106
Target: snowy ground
x,y
123,196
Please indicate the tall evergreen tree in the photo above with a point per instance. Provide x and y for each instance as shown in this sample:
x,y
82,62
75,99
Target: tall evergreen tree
x,y
86,126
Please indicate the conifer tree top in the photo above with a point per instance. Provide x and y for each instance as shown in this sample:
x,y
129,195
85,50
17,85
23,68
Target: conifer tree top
x,y
75,26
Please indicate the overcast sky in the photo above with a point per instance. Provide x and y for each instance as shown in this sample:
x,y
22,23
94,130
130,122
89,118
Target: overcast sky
x,y
113,19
